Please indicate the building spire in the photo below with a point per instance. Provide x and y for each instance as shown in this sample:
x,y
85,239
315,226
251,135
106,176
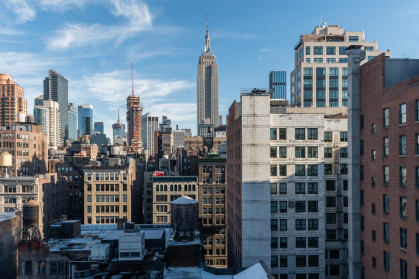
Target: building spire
x,y
207,40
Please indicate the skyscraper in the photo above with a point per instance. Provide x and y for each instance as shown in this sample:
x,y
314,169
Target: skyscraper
x,y
118,129
148,126
56,89
207,90
13,100
134,110
320,76
71,129
98,127
47,114
85,116
278,84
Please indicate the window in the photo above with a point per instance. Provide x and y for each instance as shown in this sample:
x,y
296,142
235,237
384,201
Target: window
x,y
386,232
274,151
362,248
417,177
403,207
312,133
386,204
274,189
282,170
274,260
403,269
328,152
362,197
318,50
386,175
403,181
312,188
342,50
343,168
283,242
274,207
330,218
328,169
28,268
386,261
283,260
273,134
417,210
344,136
282,188
282,224
417,144
300,170
300,152
274,224
403,238
402,145
282,152
330,234
300,242
300,224
313,242
374,262
373,235
283,206
373,128
330,201
386,148
312,170
402,114
353,38
313,224
282,133
417,243
331,60
312,206
417,110
386,118
307,50
330,50
312,152
330,185
300,206
300,133
328,136
300,188
274,243
274,170
300,261
361,147
343,152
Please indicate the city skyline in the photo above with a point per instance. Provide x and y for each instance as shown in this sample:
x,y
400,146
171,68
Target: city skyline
x,y
97,64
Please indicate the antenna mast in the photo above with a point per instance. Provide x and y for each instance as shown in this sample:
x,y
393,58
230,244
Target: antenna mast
x,y
132,79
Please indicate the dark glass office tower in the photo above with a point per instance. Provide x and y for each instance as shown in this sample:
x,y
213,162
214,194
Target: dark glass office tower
x,y
278,84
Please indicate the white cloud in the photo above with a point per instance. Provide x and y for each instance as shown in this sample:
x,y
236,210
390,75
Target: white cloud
x,y
62,5
78,35
266,49
22,9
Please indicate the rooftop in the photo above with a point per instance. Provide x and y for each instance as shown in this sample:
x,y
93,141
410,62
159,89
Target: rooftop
x,y
6,216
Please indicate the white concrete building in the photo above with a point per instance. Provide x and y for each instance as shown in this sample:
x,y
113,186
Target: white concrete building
x,y
320,76
178,139
148,126
47,114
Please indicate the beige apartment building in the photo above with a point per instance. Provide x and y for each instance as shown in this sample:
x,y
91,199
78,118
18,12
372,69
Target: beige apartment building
x,y
13,102
320,76
108,193
212,210
168,188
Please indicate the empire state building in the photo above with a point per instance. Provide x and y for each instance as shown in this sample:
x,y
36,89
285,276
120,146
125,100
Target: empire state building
x,y
207,90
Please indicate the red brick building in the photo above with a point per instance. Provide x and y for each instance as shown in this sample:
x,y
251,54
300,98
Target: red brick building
x,y
389,102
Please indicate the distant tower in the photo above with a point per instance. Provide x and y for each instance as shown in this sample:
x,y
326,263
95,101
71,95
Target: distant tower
x,y
71,129
47,114
134,110
56,89
98,127
13,102
85,116
118,129
207,89
278,84
148,126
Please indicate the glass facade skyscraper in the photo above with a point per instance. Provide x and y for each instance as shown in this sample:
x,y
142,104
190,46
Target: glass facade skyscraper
x,y
56,89
98,127
71,129
278,84
85,119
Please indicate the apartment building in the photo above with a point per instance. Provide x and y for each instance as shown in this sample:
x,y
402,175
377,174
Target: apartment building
x,y
108,193
167,189
13,101
388,95
212,210
28,146
320,75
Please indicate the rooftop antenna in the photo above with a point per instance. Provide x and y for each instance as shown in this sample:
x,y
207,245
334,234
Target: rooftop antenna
x,y
321,20
132,79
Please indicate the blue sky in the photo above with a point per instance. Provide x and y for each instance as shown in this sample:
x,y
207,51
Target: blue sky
x,y
93,42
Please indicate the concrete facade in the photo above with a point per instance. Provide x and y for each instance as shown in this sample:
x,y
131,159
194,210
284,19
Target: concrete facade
x,y
48,115
148,126
10,233
13,101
